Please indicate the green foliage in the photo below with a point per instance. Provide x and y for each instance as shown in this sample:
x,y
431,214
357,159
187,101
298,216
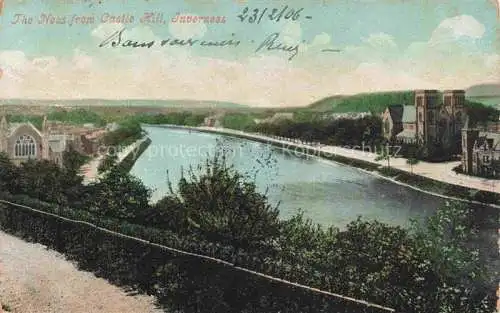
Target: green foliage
x,y
479,112
128,162
127,133
458,281
36,120
411,162
175,118
179,282
326,104
224,207
240,121
108,162
384,154
358,133
73,161
119,194
218,212
77,116
366,102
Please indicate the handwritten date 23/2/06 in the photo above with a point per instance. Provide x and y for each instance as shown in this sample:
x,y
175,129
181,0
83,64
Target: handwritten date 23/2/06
x,y
275,15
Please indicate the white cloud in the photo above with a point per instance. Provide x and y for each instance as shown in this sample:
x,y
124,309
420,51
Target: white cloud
x,y
458,27
104,30
321,39
291,33
380,41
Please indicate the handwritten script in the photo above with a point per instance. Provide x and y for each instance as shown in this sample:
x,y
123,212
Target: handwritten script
x,y
270,43
275,15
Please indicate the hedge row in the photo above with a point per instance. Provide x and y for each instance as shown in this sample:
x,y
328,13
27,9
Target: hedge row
x,y
180,282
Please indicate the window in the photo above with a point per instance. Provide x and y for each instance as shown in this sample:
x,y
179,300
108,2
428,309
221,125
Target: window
x,y
419,101
420,116
25,146
430,117
447,101
486,158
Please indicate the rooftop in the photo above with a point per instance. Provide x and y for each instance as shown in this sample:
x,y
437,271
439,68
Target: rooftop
x,y
407,134
409,114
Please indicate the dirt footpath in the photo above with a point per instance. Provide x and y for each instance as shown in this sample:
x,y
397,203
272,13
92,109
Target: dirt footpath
x,y
36,280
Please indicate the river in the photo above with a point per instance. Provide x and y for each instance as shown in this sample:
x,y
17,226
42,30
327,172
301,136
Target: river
x,y
327,192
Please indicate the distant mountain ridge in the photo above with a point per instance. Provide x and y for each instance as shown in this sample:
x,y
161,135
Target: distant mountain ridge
x,y
126,102
484,90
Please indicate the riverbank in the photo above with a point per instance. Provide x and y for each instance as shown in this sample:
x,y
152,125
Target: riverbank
x,y
433,178
127,155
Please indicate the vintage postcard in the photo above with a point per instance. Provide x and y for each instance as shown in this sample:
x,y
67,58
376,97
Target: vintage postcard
x,y
249,156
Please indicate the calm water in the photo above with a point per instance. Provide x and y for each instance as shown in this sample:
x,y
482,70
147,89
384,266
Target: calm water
x,y
328,193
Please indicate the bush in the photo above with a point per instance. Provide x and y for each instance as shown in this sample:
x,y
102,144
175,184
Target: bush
x,y
217,212
222,206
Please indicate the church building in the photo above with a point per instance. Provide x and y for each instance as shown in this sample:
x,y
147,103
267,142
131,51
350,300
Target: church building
x,y
23,141
433,120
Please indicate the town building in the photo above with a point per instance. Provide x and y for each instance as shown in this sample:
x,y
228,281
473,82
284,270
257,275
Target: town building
x,y
277,117
481,149
433,120
346,115
92,141
213,121
23,141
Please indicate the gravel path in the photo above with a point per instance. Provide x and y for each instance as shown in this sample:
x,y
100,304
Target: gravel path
x,y
36,280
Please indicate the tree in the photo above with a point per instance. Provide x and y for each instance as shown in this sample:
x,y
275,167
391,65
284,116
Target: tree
x,y
9,173
448,268
119,194
384,154
412,161
222,206
73,161
110,161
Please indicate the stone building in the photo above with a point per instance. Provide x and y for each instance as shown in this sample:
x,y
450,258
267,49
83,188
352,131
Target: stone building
x,y
23,141
431,121
481,150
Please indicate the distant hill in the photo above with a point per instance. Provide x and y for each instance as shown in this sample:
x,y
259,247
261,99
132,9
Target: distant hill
x,y
326,104
483,90
364,102
128,103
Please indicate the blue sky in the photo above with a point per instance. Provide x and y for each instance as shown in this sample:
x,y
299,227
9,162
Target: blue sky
x,y
384,45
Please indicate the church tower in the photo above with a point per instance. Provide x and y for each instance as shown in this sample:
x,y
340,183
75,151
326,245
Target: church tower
x,y
45,139
4,129
454,102
469,137
427,106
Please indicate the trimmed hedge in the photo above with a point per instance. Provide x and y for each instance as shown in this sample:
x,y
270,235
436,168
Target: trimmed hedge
x,y
180,282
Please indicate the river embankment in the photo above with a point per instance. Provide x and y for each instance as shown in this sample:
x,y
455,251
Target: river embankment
x,y
126,157
437,179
